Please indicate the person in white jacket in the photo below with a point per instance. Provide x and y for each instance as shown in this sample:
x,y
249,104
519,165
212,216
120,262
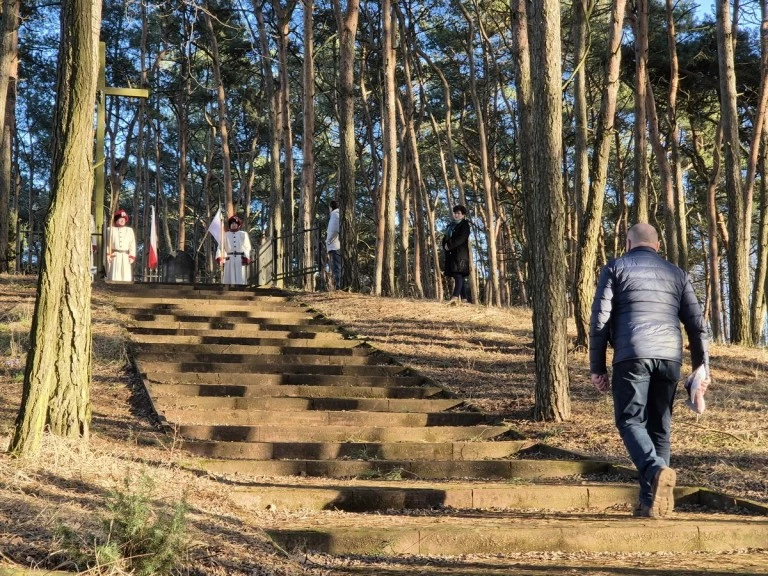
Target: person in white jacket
x,y
121,249
234,253
333,245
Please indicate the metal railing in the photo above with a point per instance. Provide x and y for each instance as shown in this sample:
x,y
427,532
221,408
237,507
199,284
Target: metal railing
x,y
282,260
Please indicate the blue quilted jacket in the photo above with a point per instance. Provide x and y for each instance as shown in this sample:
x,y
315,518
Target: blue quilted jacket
x,y
640,302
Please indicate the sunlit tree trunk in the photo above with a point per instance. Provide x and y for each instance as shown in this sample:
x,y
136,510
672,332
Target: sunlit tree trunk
x,y
389,136
223,116
493,296
681,225
275,173
589,232
641,73
308,149
665,175
346,22
284,16
738,205
58,370
9,64
552,394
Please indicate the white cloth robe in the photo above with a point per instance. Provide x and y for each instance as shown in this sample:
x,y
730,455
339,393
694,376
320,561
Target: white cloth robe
x,y
234,246
121,249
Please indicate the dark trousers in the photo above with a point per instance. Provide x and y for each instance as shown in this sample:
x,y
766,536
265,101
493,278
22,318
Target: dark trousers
x,y
458,286
335,264
643,393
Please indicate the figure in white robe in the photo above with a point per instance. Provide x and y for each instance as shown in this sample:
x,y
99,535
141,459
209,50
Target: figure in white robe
x,y
121,249
234,253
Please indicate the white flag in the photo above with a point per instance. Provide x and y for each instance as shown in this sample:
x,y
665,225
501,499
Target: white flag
x,y
216,229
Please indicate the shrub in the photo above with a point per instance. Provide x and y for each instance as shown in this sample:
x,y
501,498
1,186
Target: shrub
x,y
136,537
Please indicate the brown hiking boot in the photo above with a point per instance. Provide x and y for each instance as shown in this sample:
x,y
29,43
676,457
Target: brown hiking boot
x,y
664,492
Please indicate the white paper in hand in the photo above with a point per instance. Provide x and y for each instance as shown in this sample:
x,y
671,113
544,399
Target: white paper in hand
x,y
695,400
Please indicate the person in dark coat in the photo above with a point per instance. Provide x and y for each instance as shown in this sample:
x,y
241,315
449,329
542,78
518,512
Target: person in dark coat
x,y
640,301
456,246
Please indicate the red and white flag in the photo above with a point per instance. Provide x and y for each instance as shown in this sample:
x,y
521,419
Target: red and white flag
x,y
152,261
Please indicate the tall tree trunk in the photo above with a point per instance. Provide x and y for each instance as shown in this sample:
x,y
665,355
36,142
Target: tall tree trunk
x,y
713,248
58,371
389,136
493,296
552,395
308,149
757,311
284,16
590,228
738,217
761,270
665,175
641,73
182,109
674,141
346,22
9,64
275,174
226,159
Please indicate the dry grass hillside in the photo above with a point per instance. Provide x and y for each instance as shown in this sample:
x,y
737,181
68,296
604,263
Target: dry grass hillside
x,y
482,354
486,355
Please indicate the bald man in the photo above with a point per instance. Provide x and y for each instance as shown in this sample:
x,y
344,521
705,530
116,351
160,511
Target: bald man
x,y
640,301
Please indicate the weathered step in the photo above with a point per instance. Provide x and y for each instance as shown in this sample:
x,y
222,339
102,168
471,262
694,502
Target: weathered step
x,y
316,333
355,450
518,532
222,350
271,366
239,380
307,325
296,404
331,340
372,496
409,469
281,357
153,297
232,308
339,433
185,416
289,391
252,317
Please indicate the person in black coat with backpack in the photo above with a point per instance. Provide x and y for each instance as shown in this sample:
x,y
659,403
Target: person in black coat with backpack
x,y
456,246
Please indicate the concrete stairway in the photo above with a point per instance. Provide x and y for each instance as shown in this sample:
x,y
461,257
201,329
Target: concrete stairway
x,y
259,388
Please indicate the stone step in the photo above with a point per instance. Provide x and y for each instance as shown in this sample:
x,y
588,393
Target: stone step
x,y
306,325
223,350
317,333
356,450
331,340
511,532
290,357
228,309
296,404
179,296
278,365
253,317
409,469
238,381
372,496
158,390
185,416
267,433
